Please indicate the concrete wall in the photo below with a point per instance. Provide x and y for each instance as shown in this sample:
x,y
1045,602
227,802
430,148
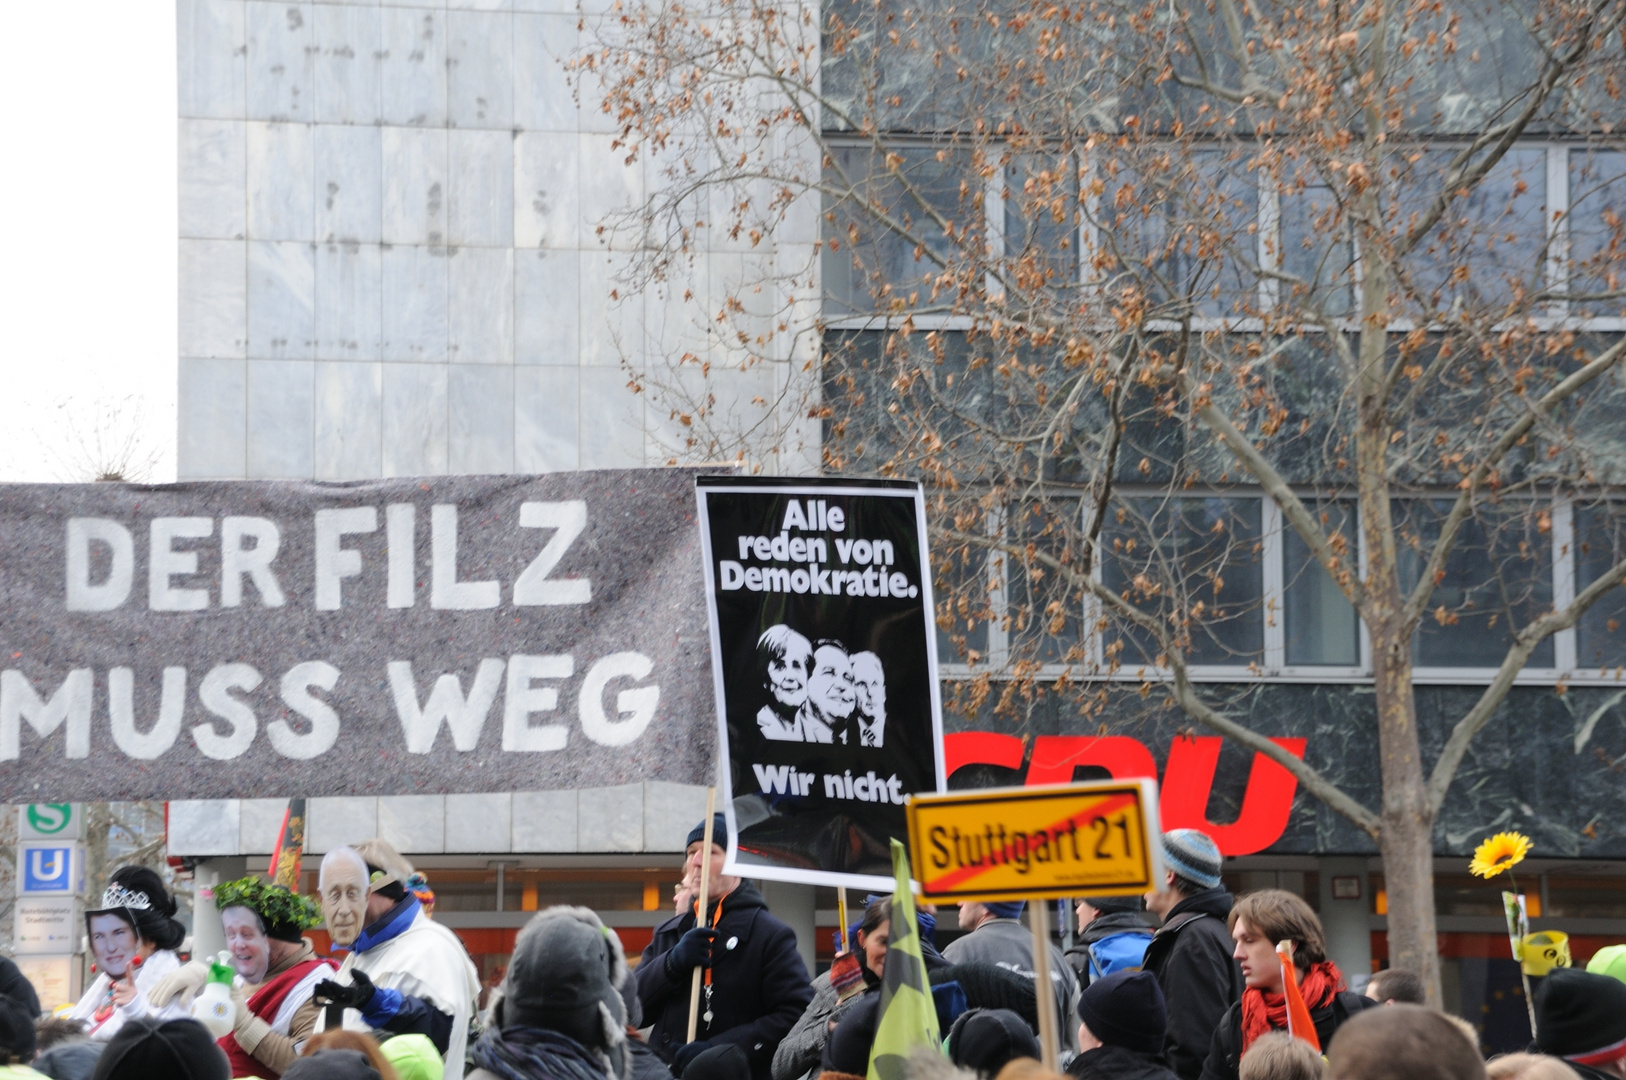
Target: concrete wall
x,y
390,261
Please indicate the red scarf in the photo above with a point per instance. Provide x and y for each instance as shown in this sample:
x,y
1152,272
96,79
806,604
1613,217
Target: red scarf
x,y
1262,1012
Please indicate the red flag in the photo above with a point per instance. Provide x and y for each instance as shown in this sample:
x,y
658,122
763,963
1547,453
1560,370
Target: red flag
x,y
284,869
1299,1024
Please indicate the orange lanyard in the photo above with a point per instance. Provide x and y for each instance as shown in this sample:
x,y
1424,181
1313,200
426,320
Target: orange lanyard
x,y
716,917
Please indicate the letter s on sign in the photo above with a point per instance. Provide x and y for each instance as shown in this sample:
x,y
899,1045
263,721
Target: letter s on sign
x,y
636,706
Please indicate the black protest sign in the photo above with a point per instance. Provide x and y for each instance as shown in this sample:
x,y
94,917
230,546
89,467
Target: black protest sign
x,y
826,671
445,634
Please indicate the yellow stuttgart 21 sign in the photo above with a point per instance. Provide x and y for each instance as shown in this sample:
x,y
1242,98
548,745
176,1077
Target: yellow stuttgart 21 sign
x,y
1090,839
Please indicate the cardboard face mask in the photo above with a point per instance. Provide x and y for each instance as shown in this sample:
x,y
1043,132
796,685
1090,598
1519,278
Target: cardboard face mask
x,y
343,885
245,939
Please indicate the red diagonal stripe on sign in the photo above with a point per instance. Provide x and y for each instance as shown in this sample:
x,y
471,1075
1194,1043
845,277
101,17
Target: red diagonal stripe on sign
x,y
966,873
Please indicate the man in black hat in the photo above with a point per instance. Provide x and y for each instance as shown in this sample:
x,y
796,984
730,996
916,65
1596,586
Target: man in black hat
x,y
1112,937
1581,1017
754,984
1123,1025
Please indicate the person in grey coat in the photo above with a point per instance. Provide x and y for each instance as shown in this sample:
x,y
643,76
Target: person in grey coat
x,y
998,937
801,1049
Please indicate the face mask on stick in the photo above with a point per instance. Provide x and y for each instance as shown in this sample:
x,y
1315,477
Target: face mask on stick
x,y
343,885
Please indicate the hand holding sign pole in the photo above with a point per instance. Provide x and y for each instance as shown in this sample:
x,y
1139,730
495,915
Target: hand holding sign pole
x,y
1037,844
700,907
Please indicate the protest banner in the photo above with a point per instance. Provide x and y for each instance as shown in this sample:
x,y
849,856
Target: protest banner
x,y
825,665
426,635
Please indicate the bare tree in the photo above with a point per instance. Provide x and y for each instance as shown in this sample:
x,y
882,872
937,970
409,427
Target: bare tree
x,y
101,438
1141,291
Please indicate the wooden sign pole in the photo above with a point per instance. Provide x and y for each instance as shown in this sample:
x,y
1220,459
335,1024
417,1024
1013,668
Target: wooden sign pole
x,y
1044,992
841,917
700,911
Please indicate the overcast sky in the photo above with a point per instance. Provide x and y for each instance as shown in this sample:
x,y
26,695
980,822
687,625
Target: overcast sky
x,y
87,297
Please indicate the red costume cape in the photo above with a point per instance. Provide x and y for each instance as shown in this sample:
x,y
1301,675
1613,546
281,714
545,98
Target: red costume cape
x,y
264,1003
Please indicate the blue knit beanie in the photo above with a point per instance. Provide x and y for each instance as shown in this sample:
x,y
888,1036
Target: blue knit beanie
x,y
719,832
1193,855
1008,909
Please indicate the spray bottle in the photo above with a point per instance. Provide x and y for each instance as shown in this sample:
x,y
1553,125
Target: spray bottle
x,y
213,1007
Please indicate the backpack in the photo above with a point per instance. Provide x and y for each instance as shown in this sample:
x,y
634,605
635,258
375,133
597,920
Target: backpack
x,y
1118,952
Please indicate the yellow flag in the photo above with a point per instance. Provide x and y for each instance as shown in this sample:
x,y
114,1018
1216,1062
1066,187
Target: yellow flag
x,y
908,1017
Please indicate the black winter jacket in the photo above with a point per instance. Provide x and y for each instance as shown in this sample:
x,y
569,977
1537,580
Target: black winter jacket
x,y
1117,1063
759,986
1191,957
1225,1054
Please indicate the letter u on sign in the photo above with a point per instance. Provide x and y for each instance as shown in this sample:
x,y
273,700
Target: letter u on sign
x,y
47,869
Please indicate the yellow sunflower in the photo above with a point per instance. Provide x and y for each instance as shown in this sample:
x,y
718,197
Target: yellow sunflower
x,y
1501,852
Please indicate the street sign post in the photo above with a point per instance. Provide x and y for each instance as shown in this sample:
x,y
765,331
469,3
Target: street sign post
x,y
47,925
49,821
1098,838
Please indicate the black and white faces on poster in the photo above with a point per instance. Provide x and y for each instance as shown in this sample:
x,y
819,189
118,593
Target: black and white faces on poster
x,y
819,692
823,650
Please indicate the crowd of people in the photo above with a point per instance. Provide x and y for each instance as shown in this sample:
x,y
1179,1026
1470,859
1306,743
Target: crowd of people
x,y
1202,996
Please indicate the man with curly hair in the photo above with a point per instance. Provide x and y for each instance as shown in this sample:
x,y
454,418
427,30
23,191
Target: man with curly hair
x,y
275,1010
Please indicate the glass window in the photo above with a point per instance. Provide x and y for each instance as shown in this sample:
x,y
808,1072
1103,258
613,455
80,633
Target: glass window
x,y
1600,542
1497,578
1321,625
1489,245
1044,609
1041,221
1184,227
960,590
1317,250
1597,220
1195,564
877,267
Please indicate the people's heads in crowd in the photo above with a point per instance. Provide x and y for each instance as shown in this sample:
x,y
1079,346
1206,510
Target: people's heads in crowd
x,y
1027,1069
1402,1042
387,875
846,1051
874,931
144,1049
1123,1009
342,886
1609,960
1528,1067
52,1031
69,1060
1193,863
784,659
986,1040
263,924
331,1055
716,883
134,917
566,975
973,914
17,1036
1396,986
1276,1055
1088,909
1581,1017
1260,920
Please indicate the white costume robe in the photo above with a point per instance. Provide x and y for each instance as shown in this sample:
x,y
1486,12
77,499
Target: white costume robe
x,y
162,962
426,961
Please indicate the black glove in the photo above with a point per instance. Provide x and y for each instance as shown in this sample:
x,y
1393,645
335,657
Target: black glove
x,y
355,996
688,1052
692,950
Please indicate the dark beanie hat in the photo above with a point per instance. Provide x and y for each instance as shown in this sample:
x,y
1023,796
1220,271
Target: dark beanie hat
x,y
1006,909
847,1049
175,1049
1582,1017
986,1040
719,832
332,1065
989,986
1113,905
724,1062
16,1032
1126,1009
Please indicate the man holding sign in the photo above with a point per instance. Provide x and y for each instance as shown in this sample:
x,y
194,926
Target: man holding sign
x,y
754,984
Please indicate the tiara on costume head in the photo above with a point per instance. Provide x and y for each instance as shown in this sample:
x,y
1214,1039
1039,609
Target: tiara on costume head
x,y
119,896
